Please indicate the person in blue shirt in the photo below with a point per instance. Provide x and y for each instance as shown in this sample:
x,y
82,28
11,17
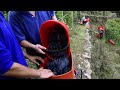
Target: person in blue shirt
x,y
12,62
26,26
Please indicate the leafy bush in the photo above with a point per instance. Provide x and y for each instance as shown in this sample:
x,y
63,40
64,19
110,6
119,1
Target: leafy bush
x,y
5,14
113,29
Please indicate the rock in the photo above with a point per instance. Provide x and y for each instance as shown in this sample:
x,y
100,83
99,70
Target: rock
x,y
86,56
88,76
85,64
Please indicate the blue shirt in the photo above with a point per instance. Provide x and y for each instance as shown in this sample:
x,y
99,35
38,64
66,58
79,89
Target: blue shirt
x,y
27,27
10,50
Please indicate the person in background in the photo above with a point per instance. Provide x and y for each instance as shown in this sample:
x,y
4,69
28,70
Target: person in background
x,y
12,62
82,20
101,30
87,22
26,26
85,19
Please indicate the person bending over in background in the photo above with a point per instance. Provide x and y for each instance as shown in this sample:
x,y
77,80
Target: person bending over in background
x,y
101,30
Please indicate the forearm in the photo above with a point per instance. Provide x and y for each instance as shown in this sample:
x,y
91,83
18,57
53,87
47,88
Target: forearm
x,y
20,71
36,47
27,44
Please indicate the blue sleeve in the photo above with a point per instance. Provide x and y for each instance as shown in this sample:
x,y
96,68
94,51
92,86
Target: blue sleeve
x,y
52,13
5,59
16,26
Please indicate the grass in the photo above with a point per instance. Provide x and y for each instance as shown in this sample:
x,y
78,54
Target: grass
x,y
77,39
77,43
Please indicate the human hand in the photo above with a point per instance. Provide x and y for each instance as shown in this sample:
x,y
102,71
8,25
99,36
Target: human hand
x,y
39,48
45,73
34,59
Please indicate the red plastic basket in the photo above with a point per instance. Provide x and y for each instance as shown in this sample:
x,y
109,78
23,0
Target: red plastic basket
x,y
46,31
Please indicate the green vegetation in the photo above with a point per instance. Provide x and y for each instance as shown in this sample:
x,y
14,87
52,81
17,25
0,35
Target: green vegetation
x,y
77,44
113,29
105,62
5,14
